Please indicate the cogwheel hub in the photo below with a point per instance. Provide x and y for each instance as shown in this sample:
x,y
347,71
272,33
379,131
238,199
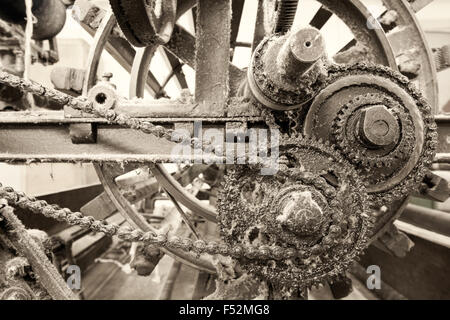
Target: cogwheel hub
x,y
298,211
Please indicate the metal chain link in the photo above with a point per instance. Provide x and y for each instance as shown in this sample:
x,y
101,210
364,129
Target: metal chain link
x,y
82,104
21,200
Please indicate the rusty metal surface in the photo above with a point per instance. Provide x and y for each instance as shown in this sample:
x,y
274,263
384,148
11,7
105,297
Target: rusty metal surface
x,y
182,45
285,70
59,117
212,71
320,122
50,141
295,207
216,81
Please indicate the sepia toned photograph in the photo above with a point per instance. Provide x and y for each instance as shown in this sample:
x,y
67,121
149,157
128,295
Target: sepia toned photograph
x,y
242,151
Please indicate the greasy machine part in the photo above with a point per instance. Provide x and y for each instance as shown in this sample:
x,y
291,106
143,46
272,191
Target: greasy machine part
x,y
315,204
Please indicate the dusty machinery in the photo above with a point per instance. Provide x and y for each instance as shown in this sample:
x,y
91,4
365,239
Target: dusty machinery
x,y
358,137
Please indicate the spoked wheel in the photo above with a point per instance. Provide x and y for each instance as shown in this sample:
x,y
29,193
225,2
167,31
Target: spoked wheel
x,y
108,173
369,44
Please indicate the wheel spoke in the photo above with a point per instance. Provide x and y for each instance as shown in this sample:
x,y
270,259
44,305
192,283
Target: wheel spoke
x,y
117,46
177,70
260,31
183,216
185,198
139,70
321,18
123,205
418,5
237,8
137,220
100,207
100,39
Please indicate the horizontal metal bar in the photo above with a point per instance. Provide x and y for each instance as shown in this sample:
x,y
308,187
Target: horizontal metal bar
x,y
52,142
442,158
429,219
31,140
424,234
443,129
58,117
31,135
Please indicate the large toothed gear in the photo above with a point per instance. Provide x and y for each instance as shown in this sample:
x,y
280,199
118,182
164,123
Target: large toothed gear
x,y
380,123
315,204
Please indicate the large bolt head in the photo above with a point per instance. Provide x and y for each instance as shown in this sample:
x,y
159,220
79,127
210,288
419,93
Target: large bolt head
x,y
378,127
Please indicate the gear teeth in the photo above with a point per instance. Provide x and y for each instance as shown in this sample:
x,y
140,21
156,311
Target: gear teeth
x,y
339,148
326,264
410,183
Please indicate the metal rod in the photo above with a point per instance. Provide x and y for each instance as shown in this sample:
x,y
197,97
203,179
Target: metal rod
x,y
429,219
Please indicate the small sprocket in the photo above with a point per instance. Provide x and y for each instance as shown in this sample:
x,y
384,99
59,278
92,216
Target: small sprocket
x,y
355,150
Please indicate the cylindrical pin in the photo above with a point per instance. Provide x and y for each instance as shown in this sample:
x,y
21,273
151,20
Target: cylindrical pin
x,y
300,51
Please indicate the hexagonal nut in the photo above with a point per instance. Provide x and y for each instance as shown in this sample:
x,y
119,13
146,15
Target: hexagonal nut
x,y
378,126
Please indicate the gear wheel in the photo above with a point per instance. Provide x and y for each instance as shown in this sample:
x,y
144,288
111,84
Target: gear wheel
x,y
351,146
390,172
316,204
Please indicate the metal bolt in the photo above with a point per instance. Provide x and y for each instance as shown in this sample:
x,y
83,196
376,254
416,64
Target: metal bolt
x,y
378,127
300,51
